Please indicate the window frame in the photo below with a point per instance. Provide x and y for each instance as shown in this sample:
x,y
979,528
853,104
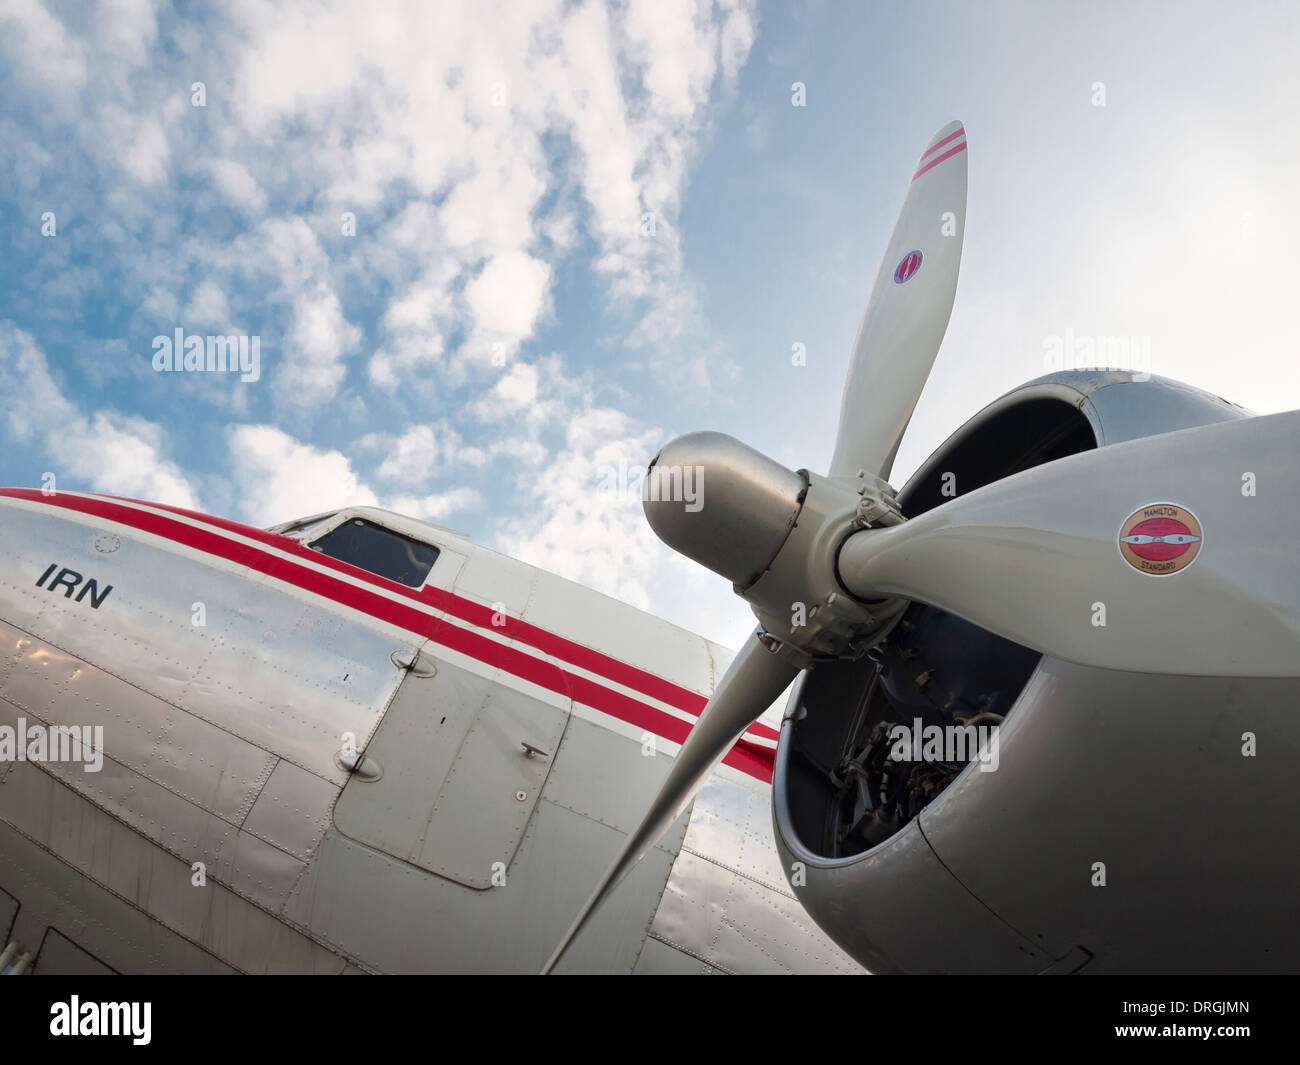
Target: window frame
x,y
440,574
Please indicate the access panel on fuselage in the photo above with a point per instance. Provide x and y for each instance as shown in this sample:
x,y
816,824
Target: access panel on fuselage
x,y
462,757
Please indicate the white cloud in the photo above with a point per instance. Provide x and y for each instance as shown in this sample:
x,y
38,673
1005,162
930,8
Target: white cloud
x,y
476,144
278,478
736,38
412,454
675,45
238,185
519,450
417,88
138,143
319,340
207,307
436,507
508,296
515,392
585,522
472,114
285,262
422,453
108,451
581,525
123,456
126,30
423,311
382,371
42,48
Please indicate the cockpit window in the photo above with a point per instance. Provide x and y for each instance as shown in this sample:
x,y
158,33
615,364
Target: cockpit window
x,y
379,550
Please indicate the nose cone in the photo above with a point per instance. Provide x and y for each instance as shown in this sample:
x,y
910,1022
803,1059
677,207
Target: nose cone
x,y
721,503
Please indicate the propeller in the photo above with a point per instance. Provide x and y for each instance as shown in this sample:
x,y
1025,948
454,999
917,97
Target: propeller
x,y
756,678
1148,555
907,313
748,518
1038,557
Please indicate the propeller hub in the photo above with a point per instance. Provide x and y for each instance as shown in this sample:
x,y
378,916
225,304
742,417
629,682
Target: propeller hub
x,y
723,504
775,534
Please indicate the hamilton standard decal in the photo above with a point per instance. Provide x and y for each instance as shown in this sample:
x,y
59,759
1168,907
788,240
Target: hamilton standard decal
x,y
1160,539
907,267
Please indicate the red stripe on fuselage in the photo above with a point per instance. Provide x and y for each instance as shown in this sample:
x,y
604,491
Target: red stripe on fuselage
x,y
753,759
575,654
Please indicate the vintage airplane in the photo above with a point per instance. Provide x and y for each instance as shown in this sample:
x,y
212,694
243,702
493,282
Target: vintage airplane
x,y
357,742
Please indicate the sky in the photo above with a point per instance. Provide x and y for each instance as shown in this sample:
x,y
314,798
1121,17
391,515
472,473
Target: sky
x,y
495,255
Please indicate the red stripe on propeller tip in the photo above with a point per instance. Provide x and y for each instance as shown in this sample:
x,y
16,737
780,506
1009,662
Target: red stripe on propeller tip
x,y
936,161
939,144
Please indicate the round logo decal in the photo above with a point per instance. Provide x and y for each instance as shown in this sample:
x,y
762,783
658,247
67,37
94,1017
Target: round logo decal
x,y
1160,539
907,267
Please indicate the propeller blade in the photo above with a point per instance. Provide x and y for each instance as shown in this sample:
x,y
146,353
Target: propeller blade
x,y
907,312
755,679
1158,555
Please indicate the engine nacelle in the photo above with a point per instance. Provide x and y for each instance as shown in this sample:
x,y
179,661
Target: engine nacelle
x,y
1108,821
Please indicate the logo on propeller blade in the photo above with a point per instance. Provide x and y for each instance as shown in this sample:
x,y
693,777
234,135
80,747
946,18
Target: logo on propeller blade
x,y
907,267
1160,539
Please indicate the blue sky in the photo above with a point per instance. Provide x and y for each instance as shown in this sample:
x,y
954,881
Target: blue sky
x,y
501,330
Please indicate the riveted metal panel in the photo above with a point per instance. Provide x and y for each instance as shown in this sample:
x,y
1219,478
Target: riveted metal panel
x,y
479,816
236,722
620,631
202,763
109,925
496,581
104,849
606,776
727,904
59,954
1080,777
732,825
248,865
8,911
458,786
142,630
294,677
405,920
415,745
739,925
268,664
662,958
293,810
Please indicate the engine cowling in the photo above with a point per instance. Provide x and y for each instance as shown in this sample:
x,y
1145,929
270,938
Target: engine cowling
x,y
1064,817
